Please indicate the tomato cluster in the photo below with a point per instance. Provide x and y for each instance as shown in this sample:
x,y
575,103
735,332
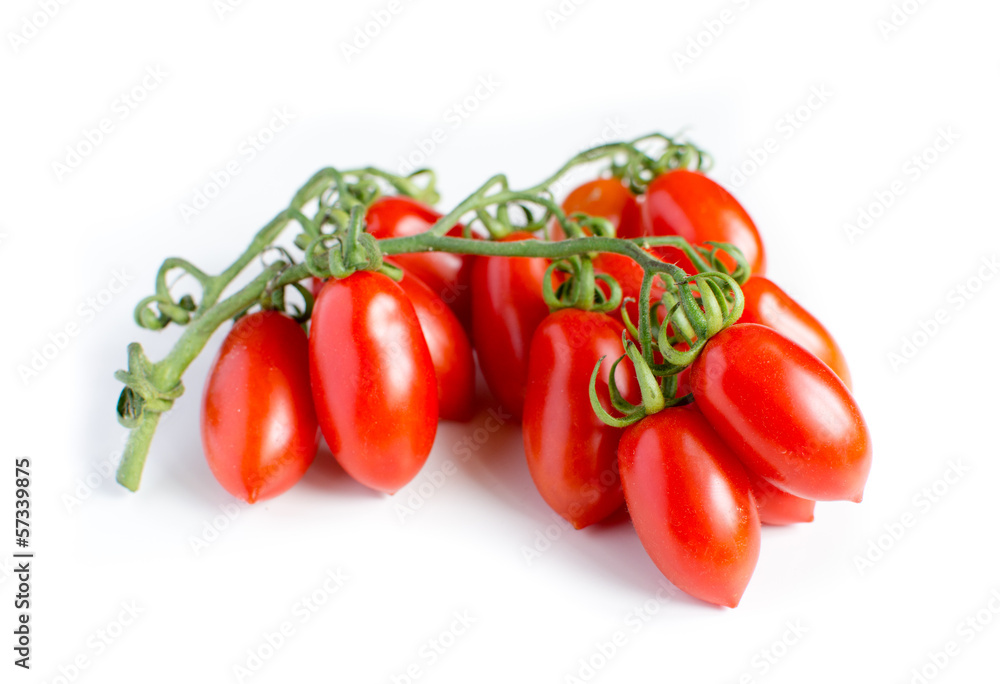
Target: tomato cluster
x,y
769,428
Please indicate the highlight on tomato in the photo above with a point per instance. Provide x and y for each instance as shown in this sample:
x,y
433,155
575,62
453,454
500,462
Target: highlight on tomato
x,y
767,304
258,426
373,380
572,455
447,275
693,206
507,308
690,501
786,415
450,350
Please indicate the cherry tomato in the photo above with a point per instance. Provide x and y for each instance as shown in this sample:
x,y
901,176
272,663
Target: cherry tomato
x,y
606,198
373,380
693,206
572,454
507,308
258,426
777,507
767,304
691,504
450,350
447,275
783,412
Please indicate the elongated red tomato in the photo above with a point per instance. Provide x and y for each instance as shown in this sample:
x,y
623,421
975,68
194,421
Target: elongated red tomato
x,y
777,507
450,349
507,308
258,426
691,504
783,412
767,304
572,454
606,198
447,275
372,380
693,206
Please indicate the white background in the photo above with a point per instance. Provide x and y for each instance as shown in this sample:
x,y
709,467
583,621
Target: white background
x,y
560,86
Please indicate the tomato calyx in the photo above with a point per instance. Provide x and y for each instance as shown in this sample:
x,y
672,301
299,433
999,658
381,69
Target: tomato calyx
x,y
696,308
579,290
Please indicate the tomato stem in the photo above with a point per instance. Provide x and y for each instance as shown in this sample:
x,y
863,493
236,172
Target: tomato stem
x,y
341,199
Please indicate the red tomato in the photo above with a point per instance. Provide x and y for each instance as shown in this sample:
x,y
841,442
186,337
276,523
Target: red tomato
x,y
507,308
606,198
572,454
258,426
767,304
691,504
372,380
629,276
693,206
450,351
447,275
783,412
777,507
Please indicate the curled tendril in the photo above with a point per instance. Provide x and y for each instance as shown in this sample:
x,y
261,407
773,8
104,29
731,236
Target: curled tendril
x,y
273,296
168,310
639,167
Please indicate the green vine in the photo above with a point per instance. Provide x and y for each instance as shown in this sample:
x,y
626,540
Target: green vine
x,y
329,211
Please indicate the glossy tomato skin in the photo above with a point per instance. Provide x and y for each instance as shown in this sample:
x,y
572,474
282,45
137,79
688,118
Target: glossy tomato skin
x,y
507,308
450,350
693,206
258,426
787,416
572,455
447,275
690,501
777,507
373,380
767,304
606,198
